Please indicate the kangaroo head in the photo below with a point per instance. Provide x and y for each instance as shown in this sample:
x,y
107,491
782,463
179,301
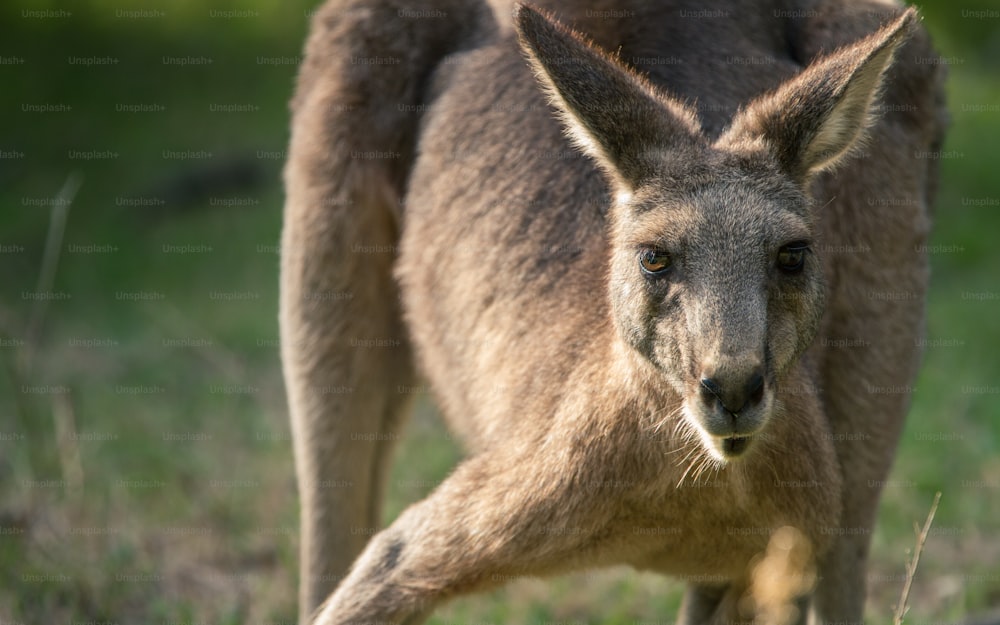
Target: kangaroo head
x,y
714,275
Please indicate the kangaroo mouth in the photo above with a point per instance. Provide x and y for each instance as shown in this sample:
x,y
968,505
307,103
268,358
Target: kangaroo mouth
x,y
734,446
725,438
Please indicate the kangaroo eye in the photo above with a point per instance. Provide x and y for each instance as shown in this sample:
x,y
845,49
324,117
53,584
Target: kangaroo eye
x,y
654,262
792,257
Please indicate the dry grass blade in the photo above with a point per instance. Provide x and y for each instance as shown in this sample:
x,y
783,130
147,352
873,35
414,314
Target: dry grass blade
x,y
47,273
784,574
911,567
68,447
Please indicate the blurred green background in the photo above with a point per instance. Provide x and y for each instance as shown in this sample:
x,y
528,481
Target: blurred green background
x,y
145,465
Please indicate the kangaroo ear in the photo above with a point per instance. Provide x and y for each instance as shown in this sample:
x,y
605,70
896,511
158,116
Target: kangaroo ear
x,y
812,121
609,111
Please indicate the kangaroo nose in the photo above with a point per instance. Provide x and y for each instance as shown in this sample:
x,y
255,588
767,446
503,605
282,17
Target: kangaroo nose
x,y
734,392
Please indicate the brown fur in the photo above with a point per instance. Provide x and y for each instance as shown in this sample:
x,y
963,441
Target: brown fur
x,y
670,422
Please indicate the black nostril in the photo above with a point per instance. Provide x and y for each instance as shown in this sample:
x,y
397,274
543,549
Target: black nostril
x,y
755,389
710,391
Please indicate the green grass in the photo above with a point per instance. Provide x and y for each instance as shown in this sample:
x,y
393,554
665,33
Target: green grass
x,y
146,474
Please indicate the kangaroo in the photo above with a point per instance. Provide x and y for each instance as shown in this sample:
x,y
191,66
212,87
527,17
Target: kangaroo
x,y
661,265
